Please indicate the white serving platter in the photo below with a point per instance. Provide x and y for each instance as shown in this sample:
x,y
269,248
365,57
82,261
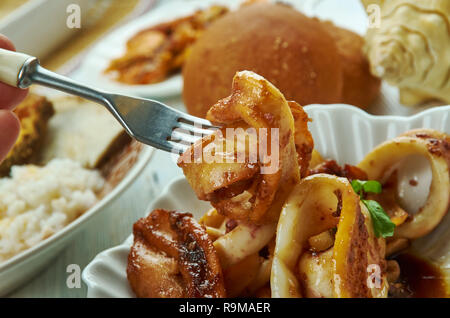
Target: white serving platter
x,y
340,132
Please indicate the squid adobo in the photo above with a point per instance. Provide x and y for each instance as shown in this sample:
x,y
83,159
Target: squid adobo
x,y
284,222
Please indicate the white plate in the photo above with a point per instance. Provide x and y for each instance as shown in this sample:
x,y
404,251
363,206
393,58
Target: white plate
x,y
20,268
39,26
342,132
91,71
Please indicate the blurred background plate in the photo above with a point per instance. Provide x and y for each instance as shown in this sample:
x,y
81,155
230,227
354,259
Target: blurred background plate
x,y
112,46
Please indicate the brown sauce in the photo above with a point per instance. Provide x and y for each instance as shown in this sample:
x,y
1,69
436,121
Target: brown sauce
x,y
418,279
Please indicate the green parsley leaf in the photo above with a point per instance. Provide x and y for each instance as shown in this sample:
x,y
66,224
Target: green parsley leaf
x,y
382,224
357,186
370,186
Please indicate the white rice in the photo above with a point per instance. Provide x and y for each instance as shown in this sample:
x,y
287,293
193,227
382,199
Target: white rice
x,y
36,202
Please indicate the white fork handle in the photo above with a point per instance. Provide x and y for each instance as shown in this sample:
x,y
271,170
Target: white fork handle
x,y
11,66
22,70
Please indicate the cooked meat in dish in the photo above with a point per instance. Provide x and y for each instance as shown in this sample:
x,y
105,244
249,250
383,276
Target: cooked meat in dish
x,y
252,186
308,228
157,52
331,167
172,256
385,160
326,245
33,113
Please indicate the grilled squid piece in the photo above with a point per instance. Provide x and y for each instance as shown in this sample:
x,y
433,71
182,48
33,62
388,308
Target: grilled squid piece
x,y
309,261
383,163
245,252
171,257
250,179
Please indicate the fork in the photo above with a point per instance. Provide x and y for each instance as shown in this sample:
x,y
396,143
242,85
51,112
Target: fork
x,y
148,121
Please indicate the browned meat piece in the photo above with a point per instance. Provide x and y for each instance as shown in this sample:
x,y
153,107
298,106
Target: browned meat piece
x,y
331,167
172,256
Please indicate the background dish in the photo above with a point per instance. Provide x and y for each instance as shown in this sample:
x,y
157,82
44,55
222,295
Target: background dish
x,y
349,14
113,45
49,27
340,132
24,265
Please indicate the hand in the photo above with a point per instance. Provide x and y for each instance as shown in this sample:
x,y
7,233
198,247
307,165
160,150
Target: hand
x,y
9,98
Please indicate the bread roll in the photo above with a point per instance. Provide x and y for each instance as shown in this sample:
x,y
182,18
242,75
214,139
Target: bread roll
x,y
292,51
360,86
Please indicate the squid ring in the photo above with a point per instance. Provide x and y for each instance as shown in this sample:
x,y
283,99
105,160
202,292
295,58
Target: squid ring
x,y
318,203
434,146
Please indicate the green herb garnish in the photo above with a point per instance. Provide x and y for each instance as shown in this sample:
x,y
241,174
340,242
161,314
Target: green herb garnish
x,y
382,224
361,187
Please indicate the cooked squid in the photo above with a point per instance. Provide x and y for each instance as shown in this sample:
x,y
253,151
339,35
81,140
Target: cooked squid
x,y
172,256
382,163
239,246
240,182
309,262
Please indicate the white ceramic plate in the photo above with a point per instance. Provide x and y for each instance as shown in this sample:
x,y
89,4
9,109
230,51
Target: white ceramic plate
x,y
39,26
341,132
91,71
26,264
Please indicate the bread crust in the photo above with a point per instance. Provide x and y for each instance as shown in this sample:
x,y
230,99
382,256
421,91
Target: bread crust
x,y
360,87
292,51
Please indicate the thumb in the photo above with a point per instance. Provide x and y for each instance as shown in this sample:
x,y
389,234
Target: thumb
x,y
9,130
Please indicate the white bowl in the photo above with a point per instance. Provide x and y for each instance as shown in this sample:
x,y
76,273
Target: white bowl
x,y
341,132
20,268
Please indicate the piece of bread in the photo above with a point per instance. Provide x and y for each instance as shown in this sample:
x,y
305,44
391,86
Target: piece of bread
x,y
360,86
292,51
82,131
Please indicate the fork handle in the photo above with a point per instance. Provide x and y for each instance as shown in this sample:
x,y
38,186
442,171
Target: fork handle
x,y
12,65
22,70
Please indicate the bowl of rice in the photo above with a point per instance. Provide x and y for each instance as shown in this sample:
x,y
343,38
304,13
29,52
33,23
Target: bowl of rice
x,y
43,205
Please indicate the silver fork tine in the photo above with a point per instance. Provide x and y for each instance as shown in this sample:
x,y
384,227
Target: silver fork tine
x,y
177,147
195,129
197,121
178,135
